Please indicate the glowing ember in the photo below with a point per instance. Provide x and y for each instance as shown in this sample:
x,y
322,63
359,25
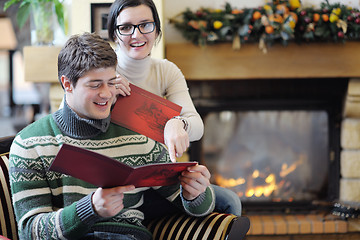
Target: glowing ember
x,y
256,174
270,179
265,190
231,182
285,170
260,183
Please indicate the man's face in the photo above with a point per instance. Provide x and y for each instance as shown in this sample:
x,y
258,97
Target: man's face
x,y
94,93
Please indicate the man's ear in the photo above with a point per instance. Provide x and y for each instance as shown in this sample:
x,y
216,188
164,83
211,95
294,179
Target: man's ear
x,y
65,81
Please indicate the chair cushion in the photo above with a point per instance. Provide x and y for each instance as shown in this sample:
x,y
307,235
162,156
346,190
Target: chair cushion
x,y
8,226
181,226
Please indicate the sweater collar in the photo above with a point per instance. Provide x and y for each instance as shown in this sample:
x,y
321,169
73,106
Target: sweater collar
x,y
76,127
134,70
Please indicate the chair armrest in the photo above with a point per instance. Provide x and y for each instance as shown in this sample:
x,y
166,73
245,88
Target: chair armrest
x,y
8,228
215,226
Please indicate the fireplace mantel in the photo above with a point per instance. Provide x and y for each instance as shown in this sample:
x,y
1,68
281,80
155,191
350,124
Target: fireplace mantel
x,y
307,60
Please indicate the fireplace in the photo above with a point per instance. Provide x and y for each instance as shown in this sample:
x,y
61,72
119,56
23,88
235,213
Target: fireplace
x,y
307,81
275,142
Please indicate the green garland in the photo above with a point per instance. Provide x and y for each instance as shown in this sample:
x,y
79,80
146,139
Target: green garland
x,y
279,21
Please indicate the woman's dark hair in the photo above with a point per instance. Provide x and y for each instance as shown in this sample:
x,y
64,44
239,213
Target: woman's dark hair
x,y
120,5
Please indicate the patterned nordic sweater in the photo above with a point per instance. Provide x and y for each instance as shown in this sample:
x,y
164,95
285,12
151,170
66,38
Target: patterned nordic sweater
x,y
50,205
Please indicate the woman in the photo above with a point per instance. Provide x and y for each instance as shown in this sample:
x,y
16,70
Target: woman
x,y
135,31
134,25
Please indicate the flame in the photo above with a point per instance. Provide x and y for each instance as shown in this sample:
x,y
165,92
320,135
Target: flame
x,y
285,170
269,184
270,179
265,190
231,182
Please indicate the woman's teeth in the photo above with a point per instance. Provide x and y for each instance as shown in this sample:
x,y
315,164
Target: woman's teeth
x,y
137,44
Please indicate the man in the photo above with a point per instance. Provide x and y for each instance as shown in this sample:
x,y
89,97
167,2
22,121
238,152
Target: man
x,y
50,205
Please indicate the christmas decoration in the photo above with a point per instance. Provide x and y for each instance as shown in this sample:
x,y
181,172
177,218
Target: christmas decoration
x,y
277,21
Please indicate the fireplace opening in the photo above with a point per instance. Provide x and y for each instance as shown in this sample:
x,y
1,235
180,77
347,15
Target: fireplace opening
x,y
275,143
268,155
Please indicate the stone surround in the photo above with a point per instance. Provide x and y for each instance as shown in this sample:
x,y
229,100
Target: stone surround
x,y
350,144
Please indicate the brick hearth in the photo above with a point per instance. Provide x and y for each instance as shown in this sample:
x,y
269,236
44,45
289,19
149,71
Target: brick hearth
x,y
321,225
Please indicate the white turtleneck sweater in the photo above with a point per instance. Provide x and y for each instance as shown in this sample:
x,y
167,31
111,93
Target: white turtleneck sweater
x,y
164,79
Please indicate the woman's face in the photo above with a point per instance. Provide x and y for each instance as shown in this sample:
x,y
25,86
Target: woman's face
x,y
137,45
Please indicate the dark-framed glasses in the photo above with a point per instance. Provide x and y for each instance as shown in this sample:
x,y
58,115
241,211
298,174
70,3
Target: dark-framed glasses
x,y
129,29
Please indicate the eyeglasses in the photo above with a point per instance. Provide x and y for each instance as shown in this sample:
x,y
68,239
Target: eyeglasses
x,y
129,29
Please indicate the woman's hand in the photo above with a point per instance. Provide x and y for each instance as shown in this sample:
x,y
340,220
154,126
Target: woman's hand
x,y
194,181
176,138
109,202
122,86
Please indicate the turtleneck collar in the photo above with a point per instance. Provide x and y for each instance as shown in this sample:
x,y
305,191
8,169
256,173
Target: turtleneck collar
x,y
134,70
76,127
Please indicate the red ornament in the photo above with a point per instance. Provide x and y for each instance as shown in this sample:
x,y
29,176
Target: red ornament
x,y
199,13
307,19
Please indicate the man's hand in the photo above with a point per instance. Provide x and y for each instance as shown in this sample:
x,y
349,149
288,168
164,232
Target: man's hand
x,y
194,181
109,202
176,138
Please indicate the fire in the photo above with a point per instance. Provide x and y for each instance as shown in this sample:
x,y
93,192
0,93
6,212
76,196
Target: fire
x,y
265,190
285,170
261,183
270,179
231,182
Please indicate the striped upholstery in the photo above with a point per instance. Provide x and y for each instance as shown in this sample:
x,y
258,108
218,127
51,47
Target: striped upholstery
x,y
216,226
7,218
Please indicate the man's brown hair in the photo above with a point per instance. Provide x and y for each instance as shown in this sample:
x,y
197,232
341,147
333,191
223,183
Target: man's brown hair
x,y
83,53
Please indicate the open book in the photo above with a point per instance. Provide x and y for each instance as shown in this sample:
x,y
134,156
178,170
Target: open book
x,y
103,171
144,112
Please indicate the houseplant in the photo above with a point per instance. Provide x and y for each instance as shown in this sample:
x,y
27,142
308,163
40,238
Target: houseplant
x,y
42,17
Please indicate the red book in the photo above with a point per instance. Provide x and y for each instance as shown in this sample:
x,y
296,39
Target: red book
x,y
144,112
103,171
3,238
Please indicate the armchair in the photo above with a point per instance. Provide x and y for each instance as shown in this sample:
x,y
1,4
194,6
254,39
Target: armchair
x,y
7,218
